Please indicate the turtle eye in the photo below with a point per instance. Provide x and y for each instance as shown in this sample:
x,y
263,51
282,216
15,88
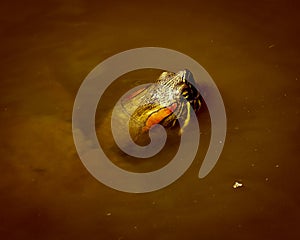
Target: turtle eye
x,y
185,94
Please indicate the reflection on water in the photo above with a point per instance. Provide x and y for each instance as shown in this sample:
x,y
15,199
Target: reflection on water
x,y
251,51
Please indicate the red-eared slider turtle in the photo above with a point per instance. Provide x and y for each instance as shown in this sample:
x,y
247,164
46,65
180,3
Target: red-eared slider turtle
x,y
171,97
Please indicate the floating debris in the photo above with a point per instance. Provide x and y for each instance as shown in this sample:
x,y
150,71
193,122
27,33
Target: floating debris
x,y
237,185
272,45
277,166
108,214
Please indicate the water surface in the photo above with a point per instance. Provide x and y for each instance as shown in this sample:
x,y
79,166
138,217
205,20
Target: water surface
x,y
251,49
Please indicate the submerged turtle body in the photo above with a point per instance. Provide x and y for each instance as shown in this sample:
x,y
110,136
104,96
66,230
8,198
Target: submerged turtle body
x,y
170,98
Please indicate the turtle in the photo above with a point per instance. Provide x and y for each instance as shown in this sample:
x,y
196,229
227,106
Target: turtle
x,y
170,98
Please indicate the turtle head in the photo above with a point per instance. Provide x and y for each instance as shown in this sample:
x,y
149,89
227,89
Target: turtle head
x,y
183,82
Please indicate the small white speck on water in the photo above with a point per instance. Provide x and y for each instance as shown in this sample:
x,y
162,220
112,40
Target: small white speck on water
x,y
237,185
277,165
108,214
267,179
285,94
220,141
252,165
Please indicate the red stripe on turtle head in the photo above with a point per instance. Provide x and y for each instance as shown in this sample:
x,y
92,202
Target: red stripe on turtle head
x,y
158,116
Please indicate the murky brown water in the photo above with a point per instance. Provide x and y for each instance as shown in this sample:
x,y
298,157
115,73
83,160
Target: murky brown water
x,y
252,52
